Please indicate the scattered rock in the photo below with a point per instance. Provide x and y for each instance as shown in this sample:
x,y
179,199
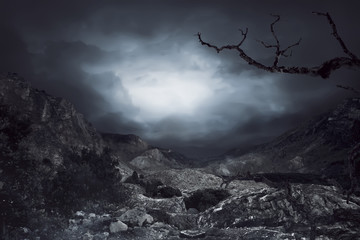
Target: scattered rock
x,y
187,180
151,186
183,221
192,234
79,215
170,205
192,211
136,217
118,226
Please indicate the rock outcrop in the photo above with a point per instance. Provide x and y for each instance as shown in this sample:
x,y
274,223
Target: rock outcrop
x,y
55,126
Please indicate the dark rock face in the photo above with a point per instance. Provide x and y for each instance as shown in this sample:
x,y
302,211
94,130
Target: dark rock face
x,y
206,198
125,147
56,127
169,192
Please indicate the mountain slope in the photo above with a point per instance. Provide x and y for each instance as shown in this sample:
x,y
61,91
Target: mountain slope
x,y
133,151
320,146
55,126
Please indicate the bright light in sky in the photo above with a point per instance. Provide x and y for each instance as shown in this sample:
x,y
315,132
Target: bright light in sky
x,y
160,94
162,86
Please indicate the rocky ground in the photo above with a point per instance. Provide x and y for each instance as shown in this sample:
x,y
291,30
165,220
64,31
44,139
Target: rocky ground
x,y
245,210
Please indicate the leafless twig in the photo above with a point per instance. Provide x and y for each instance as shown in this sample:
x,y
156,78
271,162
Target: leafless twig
x,y
323,70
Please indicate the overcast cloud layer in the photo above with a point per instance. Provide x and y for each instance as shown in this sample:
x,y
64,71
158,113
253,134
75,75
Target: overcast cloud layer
x,y
137,66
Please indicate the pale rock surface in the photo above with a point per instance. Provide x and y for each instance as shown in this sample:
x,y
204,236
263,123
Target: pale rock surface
x,y
136,217
118,226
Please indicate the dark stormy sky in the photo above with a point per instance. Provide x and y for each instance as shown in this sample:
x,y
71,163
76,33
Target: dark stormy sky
x,y
137,66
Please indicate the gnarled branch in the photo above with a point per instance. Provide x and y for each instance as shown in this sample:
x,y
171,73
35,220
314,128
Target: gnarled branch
x,y
323,70
336,35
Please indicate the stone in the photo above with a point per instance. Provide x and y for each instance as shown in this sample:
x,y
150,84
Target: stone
x,y
118,226
134,178
183,221
79,214
192,234
192,211
296,163
136,217
170,205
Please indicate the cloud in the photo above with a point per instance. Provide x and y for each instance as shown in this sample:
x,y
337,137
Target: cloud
x,y
62,69
15,57
137,66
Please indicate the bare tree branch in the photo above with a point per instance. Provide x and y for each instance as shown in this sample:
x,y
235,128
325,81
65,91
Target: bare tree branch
x,y
278,52
272,29
336,35
244,34
323,70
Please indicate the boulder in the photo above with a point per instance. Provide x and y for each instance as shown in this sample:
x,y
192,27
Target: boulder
x,y
183,221
192,234
206,198
136,217
151,186
170,205
134,178
118,226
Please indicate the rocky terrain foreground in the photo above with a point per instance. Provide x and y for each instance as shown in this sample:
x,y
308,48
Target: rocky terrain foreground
x,y
61,179
248,210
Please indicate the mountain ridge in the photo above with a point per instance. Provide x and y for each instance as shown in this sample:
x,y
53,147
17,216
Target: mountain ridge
x,y
320,145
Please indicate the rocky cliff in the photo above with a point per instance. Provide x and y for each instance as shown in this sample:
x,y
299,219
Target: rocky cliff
x,y
55,127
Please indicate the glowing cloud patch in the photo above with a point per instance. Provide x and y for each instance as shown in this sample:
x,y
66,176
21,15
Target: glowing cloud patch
x,y
162,94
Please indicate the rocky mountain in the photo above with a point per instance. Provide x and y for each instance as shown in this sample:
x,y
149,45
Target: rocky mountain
x,y
55,127
61,179
320,146
130,150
